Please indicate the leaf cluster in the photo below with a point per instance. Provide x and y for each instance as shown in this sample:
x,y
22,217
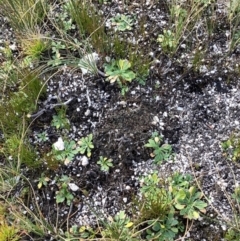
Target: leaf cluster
x,y
166,229
69,152
105,163
119,71
63,193
167,202
189,203
161,152
60,120
122,22
119,228
86,144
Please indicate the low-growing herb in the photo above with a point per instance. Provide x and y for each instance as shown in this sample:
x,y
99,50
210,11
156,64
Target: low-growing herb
x,y
105,163
189,203
86,145
60,120
122,22
67,153
163,230
43,136
63,193
161,152
43,181
167,41
119,71
118,228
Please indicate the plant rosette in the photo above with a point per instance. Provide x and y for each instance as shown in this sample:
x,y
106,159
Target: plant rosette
x,y
86,145
122,22
119,71
105,163
65,150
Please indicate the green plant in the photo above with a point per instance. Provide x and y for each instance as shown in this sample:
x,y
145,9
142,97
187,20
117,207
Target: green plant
x,y
57,59
67,153
25,99
63,193
60,120
43,136
63,19
160,153
232,235
150,185
20,151
8,233
34,44
231,147
234,20
236,194
178,180
189,203
164,230
166,201
87,232
105,163
183,18
88,63
119,71
156,202
43,181
118,228
24,15
90,25
86,145
122,22
167,41
186,197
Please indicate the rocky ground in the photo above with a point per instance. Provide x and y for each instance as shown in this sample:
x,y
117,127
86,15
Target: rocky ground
x,y
194,109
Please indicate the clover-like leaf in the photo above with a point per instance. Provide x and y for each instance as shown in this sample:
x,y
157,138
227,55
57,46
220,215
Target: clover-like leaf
x,y
124,64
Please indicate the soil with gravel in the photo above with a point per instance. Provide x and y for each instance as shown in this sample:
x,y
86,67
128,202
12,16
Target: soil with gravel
x,y
194,110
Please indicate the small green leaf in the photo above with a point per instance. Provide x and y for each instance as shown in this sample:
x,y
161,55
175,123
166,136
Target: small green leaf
x,y
124,64
60,199
195,215
200,204
129,224
156,227
179,206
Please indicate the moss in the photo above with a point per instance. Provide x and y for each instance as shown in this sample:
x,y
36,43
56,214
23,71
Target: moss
x,y
20,151
25,99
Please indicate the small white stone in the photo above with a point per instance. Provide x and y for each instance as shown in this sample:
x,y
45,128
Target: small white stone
x,y
13,46
179,108
85,161
59,144
125,199
165,114
203,69
155,118
224,227
123,103
73,187
87,112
